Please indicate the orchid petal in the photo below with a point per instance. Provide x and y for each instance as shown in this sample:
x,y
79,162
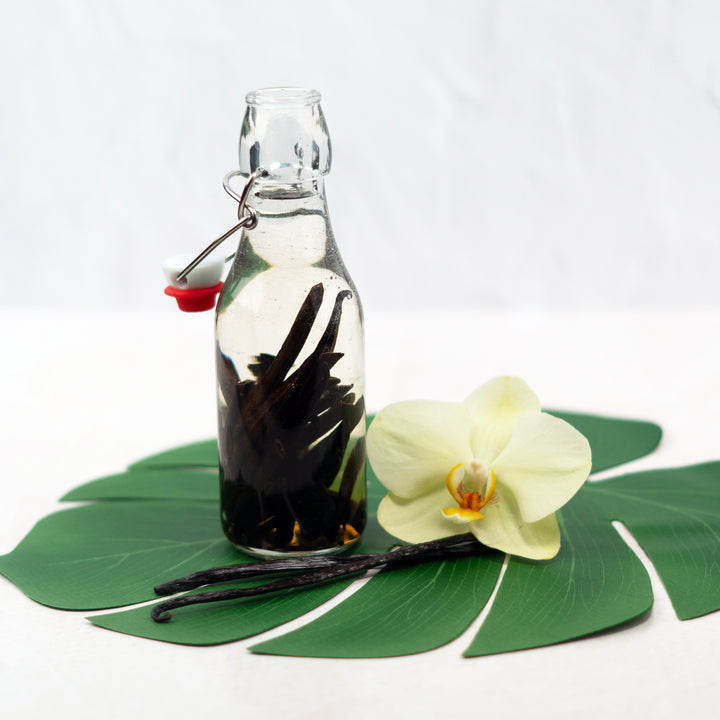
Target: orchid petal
x,y
495,408
503,528
544,464
412,445
418,520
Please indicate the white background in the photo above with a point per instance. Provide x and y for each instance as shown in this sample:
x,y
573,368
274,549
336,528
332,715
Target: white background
x,y
518,187
486,154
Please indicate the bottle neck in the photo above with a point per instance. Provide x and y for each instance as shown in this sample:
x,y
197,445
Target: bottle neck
x,y
265,192
293,226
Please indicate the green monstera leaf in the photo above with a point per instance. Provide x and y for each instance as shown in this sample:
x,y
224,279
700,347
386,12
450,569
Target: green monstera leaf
x,y
159,521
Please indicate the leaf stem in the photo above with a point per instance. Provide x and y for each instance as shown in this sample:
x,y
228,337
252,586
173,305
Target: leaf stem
x,y
321,569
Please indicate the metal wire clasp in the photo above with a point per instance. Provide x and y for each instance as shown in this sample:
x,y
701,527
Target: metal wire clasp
x,y
246,215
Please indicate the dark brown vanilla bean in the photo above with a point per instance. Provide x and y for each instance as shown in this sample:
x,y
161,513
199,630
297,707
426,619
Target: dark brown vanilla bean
x,y
277,367
446,546
322,569
352,468
329,338
245,571
292,459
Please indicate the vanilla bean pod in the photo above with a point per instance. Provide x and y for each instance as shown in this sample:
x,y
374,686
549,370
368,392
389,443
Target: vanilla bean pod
x,y
325,568
254,569
285,435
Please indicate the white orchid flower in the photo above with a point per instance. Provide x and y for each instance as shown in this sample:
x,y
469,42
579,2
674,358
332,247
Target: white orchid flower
x,y
494,465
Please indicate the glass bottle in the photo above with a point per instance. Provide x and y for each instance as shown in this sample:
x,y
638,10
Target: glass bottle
x,y
290,349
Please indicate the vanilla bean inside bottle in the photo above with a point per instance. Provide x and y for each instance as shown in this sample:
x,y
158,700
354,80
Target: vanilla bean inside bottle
x,y
290,349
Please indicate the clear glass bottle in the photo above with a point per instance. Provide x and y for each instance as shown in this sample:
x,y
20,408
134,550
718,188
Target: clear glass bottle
x,y
290,349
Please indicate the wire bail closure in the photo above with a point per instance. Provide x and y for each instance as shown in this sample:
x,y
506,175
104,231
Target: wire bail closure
x,y
246,215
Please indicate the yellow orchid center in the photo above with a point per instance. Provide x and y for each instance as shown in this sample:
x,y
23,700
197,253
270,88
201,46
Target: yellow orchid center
x,y
472,487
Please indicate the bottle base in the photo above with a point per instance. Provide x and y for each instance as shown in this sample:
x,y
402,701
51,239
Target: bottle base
x,y
267,554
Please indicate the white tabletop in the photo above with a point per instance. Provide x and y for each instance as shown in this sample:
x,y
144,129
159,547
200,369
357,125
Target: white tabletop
x,y
84,394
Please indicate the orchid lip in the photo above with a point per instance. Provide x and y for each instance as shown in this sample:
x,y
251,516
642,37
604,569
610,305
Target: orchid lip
x,y
464,514
469,502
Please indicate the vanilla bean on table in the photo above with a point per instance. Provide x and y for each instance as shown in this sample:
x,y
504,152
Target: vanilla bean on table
x,y
254,569
322,569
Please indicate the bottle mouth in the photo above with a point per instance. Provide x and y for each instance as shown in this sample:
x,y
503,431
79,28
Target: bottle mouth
x,y
283,97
